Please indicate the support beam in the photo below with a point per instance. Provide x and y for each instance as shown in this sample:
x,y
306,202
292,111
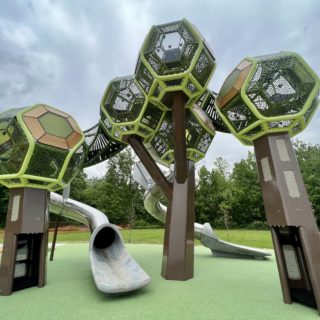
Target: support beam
x,y
54,240
294,230
178,249
24,256
151,166
179,137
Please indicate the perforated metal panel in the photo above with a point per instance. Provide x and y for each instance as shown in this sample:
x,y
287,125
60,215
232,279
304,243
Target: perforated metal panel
x,y
271,93
174,57
100,146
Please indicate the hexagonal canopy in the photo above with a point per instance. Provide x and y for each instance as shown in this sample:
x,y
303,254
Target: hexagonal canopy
x,y
271,93
125,110
52,127
199,135
40,147
174,57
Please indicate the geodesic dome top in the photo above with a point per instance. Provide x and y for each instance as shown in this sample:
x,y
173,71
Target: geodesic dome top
x,y
174,57
40,147
52,127
271,93
125,110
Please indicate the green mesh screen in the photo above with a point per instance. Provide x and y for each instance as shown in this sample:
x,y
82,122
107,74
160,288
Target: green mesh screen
x,y
13,152
124,100
75,165
207,103
151,116
280,85
55,125
204,66
170,48
239,114
46,161
144,77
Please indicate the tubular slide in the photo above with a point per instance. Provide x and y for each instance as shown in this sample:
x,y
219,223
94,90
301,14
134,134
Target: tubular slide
x,y
113,269
152,203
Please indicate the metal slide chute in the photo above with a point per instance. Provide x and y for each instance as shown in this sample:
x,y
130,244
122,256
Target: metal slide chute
x,y
113,269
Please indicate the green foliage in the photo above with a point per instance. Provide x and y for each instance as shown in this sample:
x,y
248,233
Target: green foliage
x,y
308,156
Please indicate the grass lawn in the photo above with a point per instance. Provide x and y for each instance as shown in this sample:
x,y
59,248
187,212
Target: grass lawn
x,y
252,238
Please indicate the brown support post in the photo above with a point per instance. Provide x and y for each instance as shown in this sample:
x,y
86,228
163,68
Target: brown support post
x,y
54,239
154,171
178,250
294,230
23,262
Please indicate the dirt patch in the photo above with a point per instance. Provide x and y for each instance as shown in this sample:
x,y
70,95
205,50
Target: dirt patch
x,y
71,228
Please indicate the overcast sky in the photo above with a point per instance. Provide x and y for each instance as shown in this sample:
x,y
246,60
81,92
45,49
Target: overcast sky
x,y
64,53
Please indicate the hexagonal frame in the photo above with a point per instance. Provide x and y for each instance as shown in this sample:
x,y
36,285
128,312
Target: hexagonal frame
x,y
260,127
139,126
193,153
31,119
22,178
162,84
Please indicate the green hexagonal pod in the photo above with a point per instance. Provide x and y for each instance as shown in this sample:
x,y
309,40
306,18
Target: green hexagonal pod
x,y
125,110
271,93
40,147
174,57
199,135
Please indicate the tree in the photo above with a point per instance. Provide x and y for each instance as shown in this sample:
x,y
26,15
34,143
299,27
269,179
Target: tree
x,y
246,202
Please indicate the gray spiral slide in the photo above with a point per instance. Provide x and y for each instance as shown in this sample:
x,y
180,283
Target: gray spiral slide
x,y
113,269
152,203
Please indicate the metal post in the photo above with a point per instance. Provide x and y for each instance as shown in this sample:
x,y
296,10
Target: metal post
x,y
55,233
23,262
294,230
178,250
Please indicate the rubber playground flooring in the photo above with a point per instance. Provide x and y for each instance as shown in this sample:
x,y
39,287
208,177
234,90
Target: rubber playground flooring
x,y
221,289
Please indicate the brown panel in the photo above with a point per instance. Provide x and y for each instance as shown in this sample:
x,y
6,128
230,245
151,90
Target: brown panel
x,y
54,141
34,127
242,78
291,217
58,112
36,112
8,263
244,64
178,249
74,125
73,139
221,102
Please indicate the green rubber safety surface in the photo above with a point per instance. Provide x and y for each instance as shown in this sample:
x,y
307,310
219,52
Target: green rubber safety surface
x,y
221,289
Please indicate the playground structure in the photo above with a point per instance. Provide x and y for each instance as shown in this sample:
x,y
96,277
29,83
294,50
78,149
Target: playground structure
x,y
167,115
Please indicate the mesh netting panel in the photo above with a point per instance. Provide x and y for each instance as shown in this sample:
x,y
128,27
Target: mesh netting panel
x,y
144,77
280,85
239,114
204,66
100,146
162,142
8,115
207,103
124,101
13,152
151,116
46,161
170,48
197,137
75,164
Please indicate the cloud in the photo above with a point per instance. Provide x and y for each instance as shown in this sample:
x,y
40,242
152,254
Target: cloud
x,y
64,53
